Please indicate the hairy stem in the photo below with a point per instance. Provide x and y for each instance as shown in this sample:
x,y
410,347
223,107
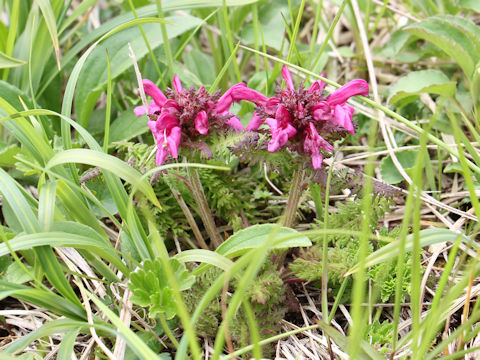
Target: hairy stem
x,y
293,198
203,208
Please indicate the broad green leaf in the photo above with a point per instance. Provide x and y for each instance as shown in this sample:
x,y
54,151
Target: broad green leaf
x,y
48,15
135,343
127,126
93,77
454,39
418,82
205,257
255,236
15,274
7,153
389,171
106,162
473,5
8,61
427,237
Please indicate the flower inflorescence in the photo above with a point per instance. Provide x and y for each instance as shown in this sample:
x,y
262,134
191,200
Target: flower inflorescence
x,y
303,120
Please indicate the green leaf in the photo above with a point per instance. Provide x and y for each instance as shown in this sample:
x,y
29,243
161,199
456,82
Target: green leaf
x,y
150,286
7,153
8,61
473,5
389,171
418,82
204,257
455,37
93,77
15,274
127,126
106,162
255,237
427,237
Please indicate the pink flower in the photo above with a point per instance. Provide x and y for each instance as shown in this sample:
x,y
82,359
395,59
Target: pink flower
x,y
306,120
188,114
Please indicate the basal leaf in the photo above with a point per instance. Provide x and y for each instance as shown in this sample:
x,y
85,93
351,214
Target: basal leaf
x,y
389,171
424,81
473,5
256,236
457,41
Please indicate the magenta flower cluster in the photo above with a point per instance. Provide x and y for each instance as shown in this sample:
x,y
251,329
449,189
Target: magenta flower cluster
x,y
305,121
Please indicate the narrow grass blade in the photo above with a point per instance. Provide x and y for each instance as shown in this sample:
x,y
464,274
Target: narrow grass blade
x,y
46,205
427,237
65,350
49,17
8,61
43,298
106,162
135,343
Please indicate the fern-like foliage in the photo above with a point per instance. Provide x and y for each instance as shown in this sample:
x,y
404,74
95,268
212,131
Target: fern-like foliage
x,y
266,297
343,251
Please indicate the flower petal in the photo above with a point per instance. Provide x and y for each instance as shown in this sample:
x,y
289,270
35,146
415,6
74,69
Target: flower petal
x,y
224,103
343,117
255,123
317,161
154,92
283,116
244,93
167,121
173,141
352,88
139,110
161,154
201,122
170,107
177,84
318,85
235,123
288,77
271,105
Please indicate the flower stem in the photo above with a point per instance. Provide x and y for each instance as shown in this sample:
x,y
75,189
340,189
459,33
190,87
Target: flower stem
x,y
203,208
293,198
